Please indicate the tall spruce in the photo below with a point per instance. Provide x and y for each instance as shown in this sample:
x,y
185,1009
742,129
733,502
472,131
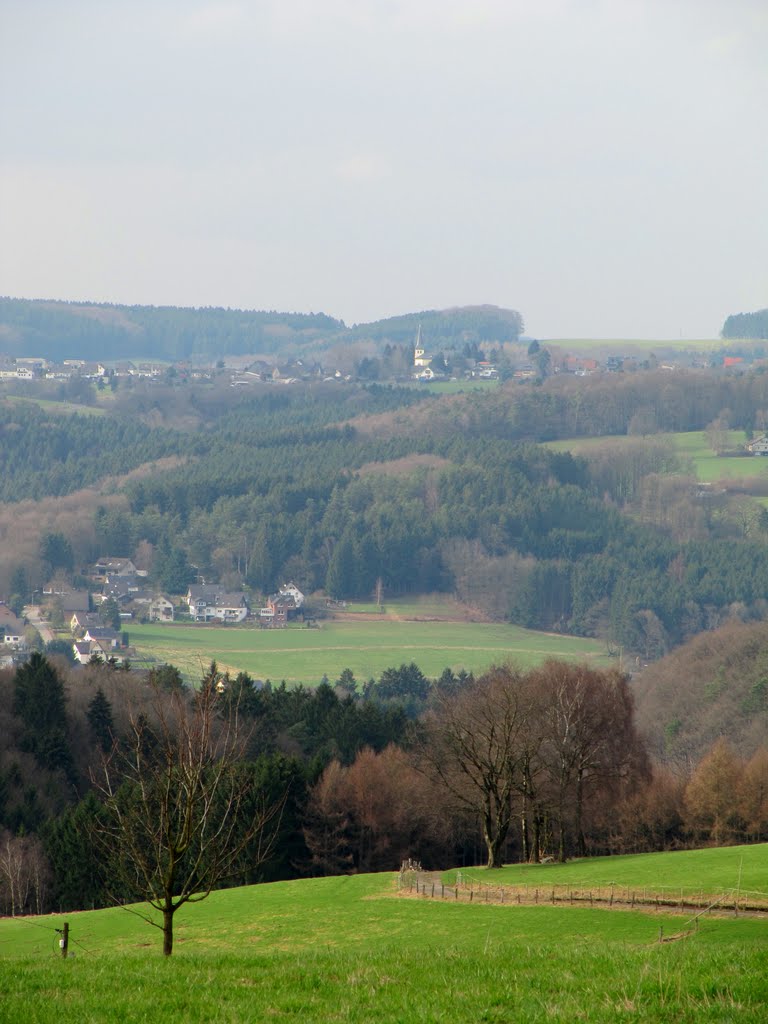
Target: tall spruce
x,y
100,720
40,702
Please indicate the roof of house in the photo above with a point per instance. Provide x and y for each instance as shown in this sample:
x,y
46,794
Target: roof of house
x,y
101,633
75,601
212,594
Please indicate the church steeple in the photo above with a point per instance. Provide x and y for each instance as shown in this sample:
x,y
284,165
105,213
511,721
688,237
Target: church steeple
x,y
419,358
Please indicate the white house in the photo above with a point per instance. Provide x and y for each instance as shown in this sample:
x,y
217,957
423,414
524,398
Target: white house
x,y
758,446
160,610
207,601
291,590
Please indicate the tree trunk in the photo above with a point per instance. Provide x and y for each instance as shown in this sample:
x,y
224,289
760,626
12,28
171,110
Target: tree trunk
x,y
535,852
524,832
561,834
580,838
167,930
495,860
494,835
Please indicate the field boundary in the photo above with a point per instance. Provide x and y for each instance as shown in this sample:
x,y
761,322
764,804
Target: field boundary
x,y
676,900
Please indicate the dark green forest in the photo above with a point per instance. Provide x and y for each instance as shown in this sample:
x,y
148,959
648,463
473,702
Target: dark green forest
x,y
746,325
59,330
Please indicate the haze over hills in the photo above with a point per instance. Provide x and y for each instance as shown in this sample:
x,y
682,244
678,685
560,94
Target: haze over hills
x,y
59,330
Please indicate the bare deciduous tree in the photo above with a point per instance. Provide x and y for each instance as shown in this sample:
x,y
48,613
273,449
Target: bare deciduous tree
x,y
24,874
474,747
538,745
173,795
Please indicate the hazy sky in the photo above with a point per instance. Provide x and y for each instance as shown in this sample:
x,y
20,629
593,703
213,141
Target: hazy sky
x,y
600,166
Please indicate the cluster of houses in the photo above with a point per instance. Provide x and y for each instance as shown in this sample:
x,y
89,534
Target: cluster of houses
x,y
39,368
117,579
208,602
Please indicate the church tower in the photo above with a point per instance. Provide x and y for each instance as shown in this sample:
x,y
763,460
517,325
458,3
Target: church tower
x,y
420,358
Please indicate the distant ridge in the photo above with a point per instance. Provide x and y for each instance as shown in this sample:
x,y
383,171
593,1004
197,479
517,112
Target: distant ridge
x,y
59,330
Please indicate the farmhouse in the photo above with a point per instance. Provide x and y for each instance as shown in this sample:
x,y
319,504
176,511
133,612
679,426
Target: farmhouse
x,y
114,566
121,588
106,637
280,607
160,610
758,445
81,621
208,601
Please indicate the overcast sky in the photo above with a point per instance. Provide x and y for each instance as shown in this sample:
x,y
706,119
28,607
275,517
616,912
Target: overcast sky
x,y
600,166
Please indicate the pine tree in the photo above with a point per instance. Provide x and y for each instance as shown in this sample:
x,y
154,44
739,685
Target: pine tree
x,y
100,720
109,613
40,703
340,580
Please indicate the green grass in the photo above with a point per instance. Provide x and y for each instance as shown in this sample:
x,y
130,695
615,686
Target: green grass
x,y
48,405
637,347
712,870
349,950
692,445
298,654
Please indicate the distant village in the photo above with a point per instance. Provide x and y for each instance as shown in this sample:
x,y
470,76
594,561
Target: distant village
x,y
97,617
536,360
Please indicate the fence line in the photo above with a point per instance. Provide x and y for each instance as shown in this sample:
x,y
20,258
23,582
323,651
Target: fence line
x,y
471,890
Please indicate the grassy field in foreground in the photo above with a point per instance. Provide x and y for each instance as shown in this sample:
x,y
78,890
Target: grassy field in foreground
x,y
692,445
350,950
367,647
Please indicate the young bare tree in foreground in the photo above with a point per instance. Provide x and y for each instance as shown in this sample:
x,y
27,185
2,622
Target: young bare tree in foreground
x,y
174,795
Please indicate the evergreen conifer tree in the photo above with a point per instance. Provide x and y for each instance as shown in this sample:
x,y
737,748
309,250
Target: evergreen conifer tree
x,y
100,720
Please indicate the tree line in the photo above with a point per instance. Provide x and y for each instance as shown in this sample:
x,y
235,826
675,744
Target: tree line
x,y
59,330
746,325
121,786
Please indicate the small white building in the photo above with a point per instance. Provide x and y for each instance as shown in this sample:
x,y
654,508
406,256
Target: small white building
x,y
758,445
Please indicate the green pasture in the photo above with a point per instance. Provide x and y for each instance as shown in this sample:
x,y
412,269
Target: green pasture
x,y
692,445
301,655
349,949
637,347
733,868
49,405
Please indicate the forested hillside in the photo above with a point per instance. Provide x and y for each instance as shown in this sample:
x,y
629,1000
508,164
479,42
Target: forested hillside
x,y
349,490
715,685
59,330
343,489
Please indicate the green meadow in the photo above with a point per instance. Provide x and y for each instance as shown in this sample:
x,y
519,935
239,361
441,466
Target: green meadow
x,y
49,405
350,949
692,445
742,869
635,346
366,646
